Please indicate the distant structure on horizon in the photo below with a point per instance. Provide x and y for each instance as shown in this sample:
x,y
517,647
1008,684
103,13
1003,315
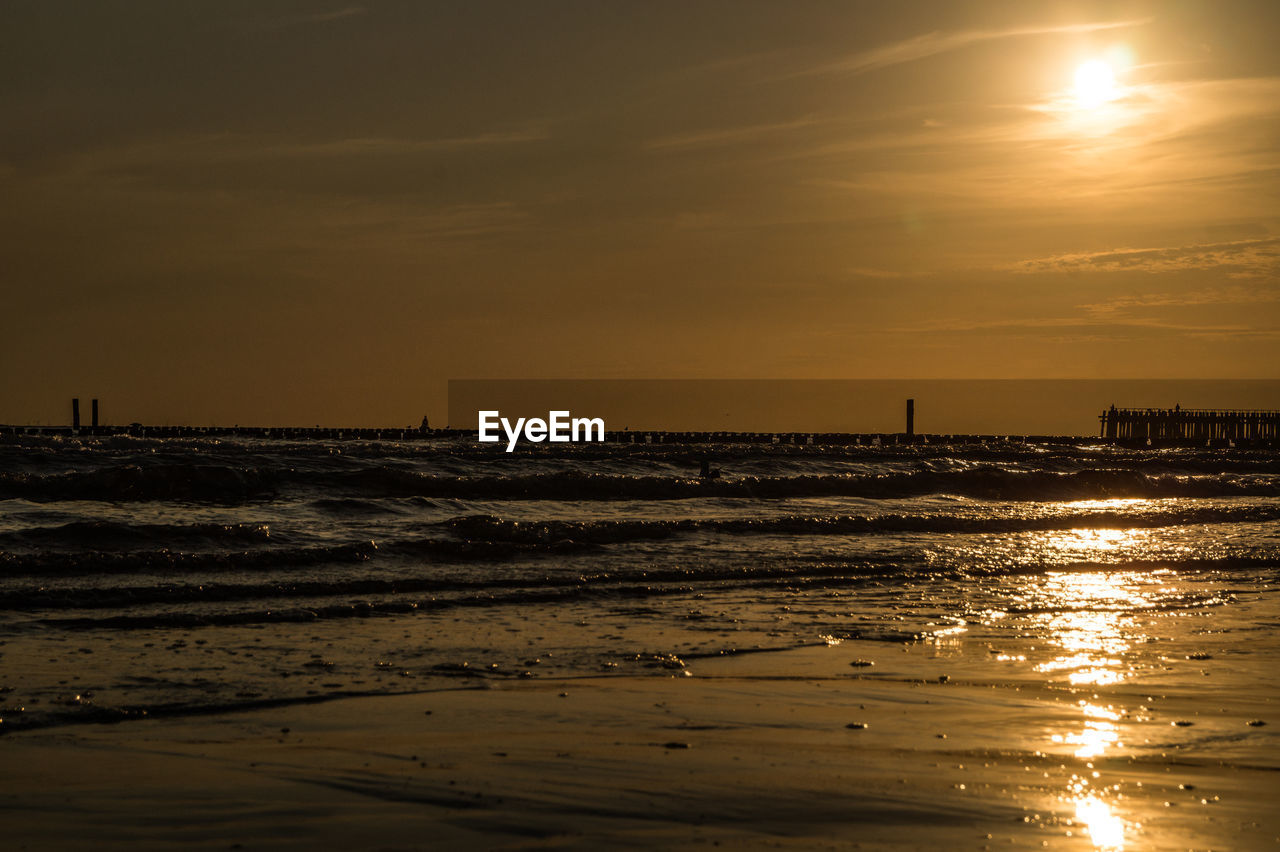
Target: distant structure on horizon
x,y
1187,425
1153,427
75,413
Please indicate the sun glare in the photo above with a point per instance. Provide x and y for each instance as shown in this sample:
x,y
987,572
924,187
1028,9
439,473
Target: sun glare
x,y
1095,83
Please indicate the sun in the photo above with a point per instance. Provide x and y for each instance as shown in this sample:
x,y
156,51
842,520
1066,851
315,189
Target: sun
x,y
1095,83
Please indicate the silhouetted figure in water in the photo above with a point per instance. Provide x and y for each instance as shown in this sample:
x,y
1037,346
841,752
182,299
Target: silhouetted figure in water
x,y
424,427
707,471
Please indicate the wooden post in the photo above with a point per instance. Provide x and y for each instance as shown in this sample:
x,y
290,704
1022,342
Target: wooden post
x,y
911,418
95,414
75,412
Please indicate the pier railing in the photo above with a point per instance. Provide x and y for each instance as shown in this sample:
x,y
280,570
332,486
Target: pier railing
x,y
1189,424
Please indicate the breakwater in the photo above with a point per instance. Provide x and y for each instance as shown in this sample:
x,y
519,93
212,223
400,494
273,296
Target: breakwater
x,y
1198,426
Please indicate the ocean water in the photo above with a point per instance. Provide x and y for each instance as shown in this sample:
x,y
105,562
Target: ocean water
x,y
152,577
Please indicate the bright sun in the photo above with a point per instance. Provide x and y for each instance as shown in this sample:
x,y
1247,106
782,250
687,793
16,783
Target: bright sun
x,y
1095,83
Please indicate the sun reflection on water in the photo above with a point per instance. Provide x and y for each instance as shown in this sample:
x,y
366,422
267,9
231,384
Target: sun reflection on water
x,y
1084,605
1106,830
1089,615
1090,620
1093,621
1099,733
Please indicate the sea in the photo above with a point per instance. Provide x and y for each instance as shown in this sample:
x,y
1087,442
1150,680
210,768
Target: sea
x,y
169,576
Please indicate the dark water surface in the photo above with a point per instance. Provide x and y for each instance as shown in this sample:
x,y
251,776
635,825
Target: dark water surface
x,y
170,576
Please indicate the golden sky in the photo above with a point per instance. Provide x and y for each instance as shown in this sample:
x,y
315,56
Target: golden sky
x,y
320,211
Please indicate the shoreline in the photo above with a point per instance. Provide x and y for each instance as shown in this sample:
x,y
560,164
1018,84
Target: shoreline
x,y
794,749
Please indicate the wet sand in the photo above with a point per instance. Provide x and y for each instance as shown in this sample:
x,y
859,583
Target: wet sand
x,y
929,746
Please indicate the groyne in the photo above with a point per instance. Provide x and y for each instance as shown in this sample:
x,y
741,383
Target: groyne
x,y
1190,426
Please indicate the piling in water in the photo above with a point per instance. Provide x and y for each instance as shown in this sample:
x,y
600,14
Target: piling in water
x,y
1189,425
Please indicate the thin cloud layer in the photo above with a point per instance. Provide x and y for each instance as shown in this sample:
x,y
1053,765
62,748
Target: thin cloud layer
x,y
935,43
1238,259
695,188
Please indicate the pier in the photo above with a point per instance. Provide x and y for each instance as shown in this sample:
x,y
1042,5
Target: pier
x,y
613,436
1139,427
1200,426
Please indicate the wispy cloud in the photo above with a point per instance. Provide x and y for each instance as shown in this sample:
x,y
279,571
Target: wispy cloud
x,y
934,43
1236,310
728,135
1215,296
726,64
230,148
1239,259
381,145
873,272
1086,325
229,169
459,221
1188,154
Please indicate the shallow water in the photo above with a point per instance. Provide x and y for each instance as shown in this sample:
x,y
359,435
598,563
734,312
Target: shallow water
x,y
172,576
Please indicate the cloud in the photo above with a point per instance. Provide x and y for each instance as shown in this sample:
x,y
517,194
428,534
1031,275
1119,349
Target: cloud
x,y
1200,152
277,193
728,136
458,221
873,272
1239,258
1220,296
381,146
1221,312
1036,326
931,44
727,64
189,153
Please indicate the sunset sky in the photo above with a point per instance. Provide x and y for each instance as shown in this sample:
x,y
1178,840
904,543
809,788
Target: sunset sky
x,y
318,212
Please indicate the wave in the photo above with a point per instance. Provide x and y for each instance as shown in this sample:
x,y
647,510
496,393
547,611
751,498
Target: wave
x,y
223,484
169,562
172,562
36,451
490,528
181,482
983,482
90,713
347,506
116,534
486,538
401,595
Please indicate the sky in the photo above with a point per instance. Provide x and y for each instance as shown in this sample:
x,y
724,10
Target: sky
x,y
319,212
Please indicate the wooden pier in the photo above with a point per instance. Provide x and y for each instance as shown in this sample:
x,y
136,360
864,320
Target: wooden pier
x,y
1140,427
1201,426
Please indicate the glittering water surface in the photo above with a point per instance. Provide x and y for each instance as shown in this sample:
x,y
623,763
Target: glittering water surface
x,y
152,576
123,546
